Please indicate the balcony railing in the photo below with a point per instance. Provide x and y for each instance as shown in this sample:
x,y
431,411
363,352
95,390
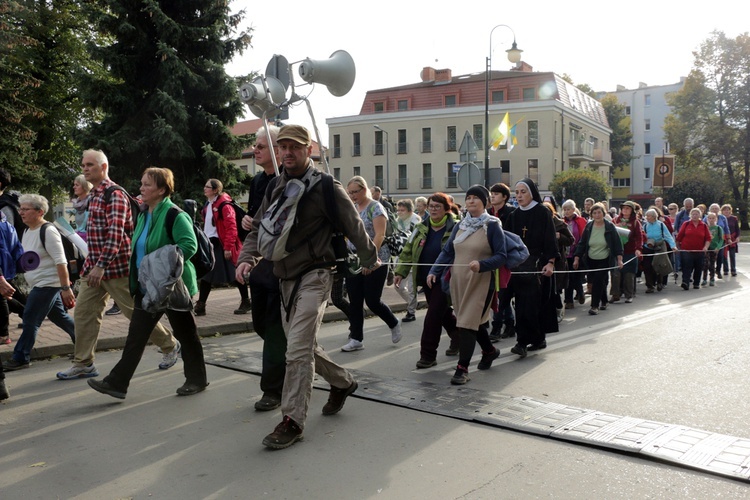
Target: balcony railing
x,y
450,145
403,183
425,183
357,150
401,148
451,182
337,152
426,146
378,150
581,149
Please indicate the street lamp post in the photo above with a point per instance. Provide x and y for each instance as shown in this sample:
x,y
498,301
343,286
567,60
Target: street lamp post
x,y
514,55
387,163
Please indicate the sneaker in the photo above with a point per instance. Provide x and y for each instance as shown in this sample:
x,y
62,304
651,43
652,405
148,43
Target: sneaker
x,y
560,315
5,340
696,287
168,360
537,347
711,283
581,298
268,402
719,276
245,307
105,388
188,389
703,283
685,286
452,351
603,307
569,305
113,311
4,392
487,358
396,333
495,333
519,349
408,318
594,311
461,376
508,332
615,298
200,308
284,435
650,289
12,365
76,371
337,398
353,345
734,273
425,363
629,300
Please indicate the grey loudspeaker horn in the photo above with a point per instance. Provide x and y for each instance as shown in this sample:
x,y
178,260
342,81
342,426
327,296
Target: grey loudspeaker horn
x,y
261,101
337,73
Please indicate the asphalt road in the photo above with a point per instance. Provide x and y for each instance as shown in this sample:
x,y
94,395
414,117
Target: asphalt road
x,y
676,357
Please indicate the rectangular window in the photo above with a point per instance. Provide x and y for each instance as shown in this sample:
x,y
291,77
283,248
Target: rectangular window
x,y
529,94
403,105
379,107
478,135
356,146
647,124
426,176
401,142
648,148
450,101
378,150
498,96
533,131
356,171
450,181
533,168
336,146
647,100
337,173
646,173
427,140
450,144
505,172
378,180
627,110
403,180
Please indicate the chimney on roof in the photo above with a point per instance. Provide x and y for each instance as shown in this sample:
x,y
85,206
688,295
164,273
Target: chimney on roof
x,y
442,75
642,85
620,88
428,74
523,67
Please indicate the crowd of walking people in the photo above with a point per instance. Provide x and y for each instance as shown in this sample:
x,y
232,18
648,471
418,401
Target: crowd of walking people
x,y
507,264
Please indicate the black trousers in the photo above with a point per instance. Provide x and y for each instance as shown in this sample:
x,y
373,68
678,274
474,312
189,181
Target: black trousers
x,y
266,311
141,325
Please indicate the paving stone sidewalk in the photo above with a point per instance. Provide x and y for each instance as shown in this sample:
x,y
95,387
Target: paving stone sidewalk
x,y
219,319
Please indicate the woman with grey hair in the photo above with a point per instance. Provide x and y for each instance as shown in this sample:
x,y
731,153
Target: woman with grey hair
x,y
658,240
81,189
50,293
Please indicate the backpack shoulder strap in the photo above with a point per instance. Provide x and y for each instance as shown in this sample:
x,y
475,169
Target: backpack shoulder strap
x,y
171,218
43,234
328,194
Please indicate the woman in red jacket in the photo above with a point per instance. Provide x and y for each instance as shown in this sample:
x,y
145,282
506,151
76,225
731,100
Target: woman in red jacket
x,y
692,241
220,226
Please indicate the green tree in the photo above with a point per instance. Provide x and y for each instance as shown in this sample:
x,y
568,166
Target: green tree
x,y
702,185
577,184
17,154
621,139
710,124
169,101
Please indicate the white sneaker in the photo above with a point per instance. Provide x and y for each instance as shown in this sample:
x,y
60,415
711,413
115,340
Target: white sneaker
x,y
169,360
396,333
78,372
560,315
353,345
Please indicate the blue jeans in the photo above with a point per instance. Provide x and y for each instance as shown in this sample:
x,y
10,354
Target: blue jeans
x,y
42,302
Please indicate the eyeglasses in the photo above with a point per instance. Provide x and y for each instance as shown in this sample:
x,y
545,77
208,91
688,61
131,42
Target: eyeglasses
x,y
352,193
672,209
435,207
24,209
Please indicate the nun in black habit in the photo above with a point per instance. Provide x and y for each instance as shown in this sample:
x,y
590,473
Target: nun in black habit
x,y
536,313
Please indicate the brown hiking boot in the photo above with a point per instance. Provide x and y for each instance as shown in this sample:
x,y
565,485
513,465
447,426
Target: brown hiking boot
x,y
200,308
284,435
337,398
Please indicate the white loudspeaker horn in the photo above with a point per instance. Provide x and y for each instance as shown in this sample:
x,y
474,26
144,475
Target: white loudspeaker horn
x,y
259,101
337,73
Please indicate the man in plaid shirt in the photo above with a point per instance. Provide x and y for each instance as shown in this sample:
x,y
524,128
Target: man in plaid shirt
x,y
105,271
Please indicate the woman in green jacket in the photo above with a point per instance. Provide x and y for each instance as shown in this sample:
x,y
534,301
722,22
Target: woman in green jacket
x,y
150,234
419,253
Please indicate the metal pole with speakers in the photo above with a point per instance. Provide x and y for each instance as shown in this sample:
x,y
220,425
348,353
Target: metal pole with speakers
x,y
266,96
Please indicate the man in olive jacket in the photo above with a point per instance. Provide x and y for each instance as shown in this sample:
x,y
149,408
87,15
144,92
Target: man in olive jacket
x,y
306,280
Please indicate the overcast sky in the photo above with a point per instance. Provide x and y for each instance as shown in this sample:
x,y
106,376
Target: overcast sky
x,y
603,43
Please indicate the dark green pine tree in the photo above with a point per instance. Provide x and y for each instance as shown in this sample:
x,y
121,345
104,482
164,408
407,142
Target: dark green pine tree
x,y
169,102
17,154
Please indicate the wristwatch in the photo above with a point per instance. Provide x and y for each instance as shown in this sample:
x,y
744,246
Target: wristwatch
x,y
65,288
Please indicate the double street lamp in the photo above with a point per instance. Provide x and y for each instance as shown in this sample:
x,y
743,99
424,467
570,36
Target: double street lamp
x,y
514,56
387,163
